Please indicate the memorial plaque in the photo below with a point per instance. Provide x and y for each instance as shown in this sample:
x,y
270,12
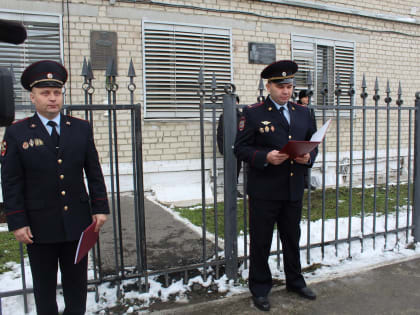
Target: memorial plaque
x,y
261,53
103,46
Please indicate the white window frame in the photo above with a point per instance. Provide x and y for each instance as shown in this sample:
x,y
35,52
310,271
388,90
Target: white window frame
x,y
27,17
342,50
224,76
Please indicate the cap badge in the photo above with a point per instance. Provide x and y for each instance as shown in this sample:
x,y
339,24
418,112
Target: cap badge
x,y
284,73
49,75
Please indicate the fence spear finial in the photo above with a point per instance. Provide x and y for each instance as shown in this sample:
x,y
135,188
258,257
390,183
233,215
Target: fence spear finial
x,y
399,100
201,76
131,71
89,71
309,78
364,86
84,68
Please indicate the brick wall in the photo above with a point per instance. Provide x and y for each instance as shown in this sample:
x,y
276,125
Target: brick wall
x,y
384,49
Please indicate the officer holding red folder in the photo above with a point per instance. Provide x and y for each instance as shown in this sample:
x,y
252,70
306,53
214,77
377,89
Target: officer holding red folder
x,y
275,181
43,159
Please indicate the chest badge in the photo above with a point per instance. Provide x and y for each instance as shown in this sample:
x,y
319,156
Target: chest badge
x,y
261,130
38,142
266,123
272,128
3,148
25,145
31,142
241,125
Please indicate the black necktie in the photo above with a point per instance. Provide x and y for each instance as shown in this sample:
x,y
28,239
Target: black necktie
x,y
282,117
54,135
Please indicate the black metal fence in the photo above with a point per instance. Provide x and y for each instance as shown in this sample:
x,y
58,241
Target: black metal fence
x,y
228,262
384,116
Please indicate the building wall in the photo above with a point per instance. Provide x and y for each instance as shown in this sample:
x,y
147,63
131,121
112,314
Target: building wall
x,y
385,49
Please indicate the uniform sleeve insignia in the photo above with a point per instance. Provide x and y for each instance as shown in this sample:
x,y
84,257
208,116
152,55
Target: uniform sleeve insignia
x,y
3,148
241,125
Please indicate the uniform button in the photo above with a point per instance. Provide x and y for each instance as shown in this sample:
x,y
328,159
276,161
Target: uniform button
x,y
61,176
63,193
291,174
60,161
290,137
66,208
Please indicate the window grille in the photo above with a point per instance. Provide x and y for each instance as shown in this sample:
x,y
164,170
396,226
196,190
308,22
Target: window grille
x,y
173,55
324,58
43,42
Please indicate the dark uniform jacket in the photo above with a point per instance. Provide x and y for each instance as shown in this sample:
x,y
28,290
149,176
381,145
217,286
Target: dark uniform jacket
x,y
260,131
45,189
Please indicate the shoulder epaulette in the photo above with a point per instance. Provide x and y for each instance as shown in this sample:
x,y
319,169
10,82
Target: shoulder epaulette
x,y
255,105
20,120
298,104
68,116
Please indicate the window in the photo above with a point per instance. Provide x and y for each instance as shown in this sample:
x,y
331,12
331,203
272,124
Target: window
x,y
42,42
173,55
325,59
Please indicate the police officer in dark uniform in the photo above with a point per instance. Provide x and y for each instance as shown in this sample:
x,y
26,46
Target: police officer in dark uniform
x,y
275,181
46,203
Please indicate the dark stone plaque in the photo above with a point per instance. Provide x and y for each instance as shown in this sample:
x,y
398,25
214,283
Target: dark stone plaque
x,y
103,46
261,53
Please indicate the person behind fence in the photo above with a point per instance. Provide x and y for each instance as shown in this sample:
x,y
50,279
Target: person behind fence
x,y
219,138
275,182
46,203
304,101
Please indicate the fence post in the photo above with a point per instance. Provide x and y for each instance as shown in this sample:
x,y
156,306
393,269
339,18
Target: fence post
x,y
230,184
416,193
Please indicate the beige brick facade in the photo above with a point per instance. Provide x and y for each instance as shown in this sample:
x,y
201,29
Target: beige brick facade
x,y
386,35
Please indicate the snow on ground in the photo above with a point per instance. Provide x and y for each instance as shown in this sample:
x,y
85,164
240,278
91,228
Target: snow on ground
x,y
336,262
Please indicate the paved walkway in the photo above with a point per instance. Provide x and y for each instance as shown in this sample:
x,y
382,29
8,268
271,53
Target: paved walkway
x,y
169,242
390,289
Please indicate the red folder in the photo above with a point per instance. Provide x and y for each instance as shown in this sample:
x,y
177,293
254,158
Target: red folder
x,y
86,242
297,148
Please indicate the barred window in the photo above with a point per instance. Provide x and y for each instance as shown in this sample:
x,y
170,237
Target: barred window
x,y
325,59
43,42
173,55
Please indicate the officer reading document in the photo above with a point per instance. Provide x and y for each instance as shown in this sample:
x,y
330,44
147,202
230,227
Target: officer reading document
x,y
275,180
46,203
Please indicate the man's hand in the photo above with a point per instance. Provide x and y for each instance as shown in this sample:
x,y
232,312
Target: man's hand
x,y
304,159
24,235
100,220
276,158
